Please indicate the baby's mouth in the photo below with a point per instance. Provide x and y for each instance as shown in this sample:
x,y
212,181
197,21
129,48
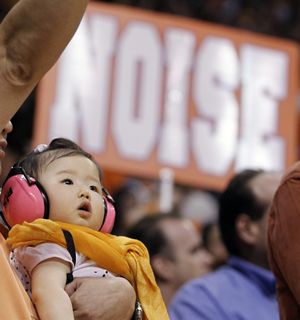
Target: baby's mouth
x,y
85,208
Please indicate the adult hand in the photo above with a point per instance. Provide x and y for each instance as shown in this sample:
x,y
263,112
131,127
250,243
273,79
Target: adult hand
x,y
101,298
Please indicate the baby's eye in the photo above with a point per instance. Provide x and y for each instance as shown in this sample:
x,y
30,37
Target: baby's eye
x,y
94,188
67,181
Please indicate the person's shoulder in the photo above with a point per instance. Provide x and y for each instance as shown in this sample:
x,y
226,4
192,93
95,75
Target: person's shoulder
x,y
213,284
223,273
203,283
199,298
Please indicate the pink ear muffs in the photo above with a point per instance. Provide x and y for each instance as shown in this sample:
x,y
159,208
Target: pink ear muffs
x,y
109,212
22,198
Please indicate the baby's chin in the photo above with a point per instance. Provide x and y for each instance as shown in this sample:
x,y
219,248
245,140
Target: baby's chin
x,y
85,223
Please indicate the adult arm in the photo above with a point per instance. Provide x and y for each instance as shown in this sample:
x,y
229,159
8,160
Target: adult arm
x,y
48,294
105,299
32,36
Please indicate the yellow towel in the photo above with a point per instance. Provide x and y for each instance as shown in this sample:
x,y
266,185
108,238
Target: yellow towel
x,y
124,256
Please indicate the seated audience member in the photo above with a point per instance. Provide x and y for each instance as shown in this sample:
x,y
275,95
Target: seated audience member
x,y
175,248
284,239
244,288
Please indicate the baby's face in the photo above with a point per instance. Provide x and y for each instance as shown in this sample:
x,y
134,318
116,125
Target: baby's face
x,y
75,191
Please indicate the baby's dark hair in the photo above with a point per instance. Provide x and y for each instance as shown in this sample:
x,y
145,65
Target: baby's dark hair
x,y
36,161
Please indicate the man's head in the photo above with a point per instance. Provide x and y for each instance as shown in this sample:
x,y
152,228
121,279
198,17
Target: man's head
x,y
243,214
175,248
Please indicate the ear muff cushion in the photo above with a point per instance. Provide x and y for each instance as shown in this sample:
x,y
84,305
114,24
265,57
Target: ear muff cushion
x,y
22,201
109,214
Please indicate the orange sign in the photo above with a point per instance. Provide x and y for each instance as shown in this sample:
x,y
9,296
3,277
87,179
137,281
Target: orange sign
x,y
143,91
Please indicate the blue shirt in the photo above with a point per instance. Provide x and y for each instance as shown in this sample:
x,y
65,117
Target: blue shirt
x,y
238,291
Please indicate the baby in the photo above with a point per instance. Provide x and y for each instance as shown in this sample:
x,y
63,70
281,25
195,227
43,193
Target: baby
x,y
56,205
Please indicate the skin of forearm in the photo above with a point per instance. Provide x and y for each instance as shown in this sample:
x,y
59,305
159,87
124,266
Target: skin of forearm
x,y
53,304
35,32
32,36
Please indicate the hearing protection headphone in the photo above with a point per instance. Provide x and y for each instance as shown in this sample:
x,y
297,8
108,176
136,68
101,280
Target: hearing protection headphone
x,y
23,198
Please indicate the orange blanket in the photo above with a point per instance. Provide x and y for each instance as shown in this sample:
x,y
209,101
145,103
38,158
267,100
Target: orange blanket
x,y
124,256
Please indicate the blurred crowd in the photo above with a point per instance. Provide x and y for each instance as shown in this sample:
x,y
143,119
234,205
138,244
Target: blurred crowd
x,y
137,198
279,18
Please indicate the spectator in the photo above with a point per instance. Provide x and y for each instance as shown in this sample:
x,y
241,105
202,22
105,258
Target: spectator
x,y
243,289
175,248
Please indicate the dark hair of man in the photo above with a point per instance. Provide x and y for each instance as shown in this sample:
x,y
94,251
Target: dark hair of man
x,y
148,230
35,162
238,199
206,231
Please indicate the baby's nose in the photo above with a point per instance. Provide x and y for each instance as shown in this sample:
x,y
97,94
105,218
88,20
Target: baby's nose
x,y
84,194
